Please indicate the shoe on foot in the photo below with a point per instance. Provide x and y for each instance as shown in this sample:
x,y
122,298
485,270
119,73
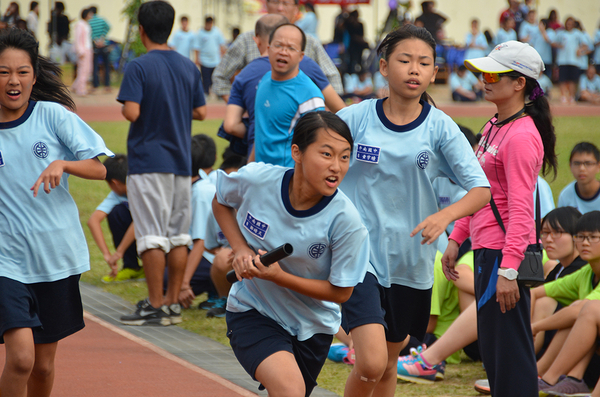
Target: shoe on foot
x,y
208,304
218,309
441,370
337,352
350,358
568,387
124,275
412,369
175,313
146,314
483,386
543,386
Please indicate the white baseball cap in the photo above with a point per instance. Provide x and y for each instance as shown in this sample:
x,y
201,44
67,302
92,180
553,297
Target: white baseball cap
x,y
509,56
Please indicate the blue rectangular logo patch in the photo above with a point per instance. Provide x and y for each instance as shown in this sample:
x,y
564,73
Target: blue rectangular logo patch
x,y
256,227
368,154
1,159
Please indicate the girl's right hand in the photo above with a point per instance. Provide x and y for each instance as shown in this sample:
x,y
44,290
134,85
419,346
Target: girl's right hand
x,y
449,261
242,263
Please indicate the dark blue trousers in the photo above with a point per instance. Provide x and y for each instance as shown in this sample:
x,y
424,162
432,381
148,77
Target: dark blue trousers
x,y
119,220
505,339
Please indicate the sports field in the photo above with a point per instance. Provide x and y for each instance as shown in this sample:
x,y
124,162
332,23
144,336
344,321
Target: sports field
x,y
459,378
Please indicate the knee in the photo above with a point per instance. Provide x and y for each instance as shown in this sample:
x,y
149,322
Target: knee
x,y
21,363
42,370
371,368
289,388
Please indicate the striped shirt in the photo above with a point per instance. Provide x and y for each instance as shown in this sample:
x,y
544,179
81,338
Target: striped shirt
x,y
244,50
99,27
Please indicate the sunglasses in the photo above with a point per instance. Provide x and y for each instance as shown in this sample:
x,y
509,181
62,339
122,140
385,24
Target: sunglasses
x,y
492,78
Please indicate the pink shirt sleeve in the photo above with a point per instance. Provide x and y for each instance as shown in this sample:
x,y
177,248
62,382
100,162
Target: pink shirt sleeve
x,y
462,230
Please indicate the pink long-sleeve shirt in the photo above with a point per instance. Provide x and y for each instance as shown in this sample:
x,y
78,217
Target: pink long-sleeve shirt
x,y
511,163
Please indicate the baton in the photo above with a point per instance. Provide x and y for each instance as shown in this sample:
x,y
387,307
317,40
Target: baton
x,y
267,259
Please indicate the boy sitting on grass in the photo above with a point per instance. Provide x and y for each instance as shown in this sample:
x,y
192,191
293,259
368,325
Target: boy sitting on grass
x,y
115,209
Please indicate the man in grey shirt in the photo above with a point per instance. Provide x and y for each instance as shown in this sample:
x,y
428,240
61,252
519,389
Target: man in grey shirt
x,y
244,50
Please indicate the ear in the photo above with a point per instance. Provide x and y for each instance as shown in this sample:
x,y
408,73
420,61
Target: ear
x,y
256,40
520,83
435,70
383,67
296,154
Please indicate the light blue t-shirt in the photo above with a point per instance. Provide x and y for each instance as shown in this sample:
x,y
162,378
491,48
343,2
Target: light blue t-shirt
x,y
330,243
41,239
546,198
597,50
447,193
183,42
214,235
203,192
543,47
583,60
278,107
504,36
570,40
586,84
528,31
209,44
480,41
390,181
545,83
352,83
569,197
110,202
466,82
379,81
309,24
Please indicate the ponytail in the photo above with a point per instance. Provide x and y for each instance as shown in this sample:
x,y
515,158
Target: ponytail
x,y
48,85
539,110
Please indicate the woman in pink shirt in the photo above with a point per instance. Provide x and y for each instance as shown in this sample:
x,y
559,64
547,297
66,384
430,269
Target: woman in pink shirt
x,y
517,142
83,48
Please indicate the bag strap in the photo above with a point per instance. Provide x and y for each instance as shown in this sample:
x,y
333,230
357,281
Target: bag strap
x,y
538,218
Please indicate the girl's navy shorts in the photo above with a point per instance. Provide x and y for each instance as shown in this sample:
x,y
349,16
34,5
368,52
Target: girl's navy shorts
x,y
53,310
401,310
255,337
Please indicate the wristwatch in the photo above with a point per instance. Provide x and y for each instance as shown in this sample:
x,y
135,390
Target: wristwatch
x,y
509,274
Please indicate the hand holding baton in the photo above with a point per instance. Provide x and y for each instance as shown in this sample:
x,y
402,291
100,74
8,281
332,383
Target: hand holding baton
x,y
267,259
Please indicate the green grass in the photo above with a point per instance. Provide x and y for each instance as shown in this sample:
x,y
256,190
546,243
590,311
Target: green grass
x,y
459,378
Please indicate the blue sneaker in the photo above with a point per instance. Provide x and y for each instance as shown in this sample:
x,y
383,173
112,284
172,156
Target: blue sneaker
x,y
337,352
441,370
209,303
411,369
218,309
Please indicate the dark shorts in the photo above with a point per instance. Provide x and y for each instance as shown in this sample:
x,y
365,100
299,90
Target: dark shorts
x,y
401,310
53,310
568,73
255,337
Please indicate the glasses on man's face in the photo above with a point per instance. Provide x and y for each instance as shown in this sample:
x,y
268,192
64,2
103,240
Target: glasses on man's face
x,y
580,238
282,3
551,233
280,47
586,164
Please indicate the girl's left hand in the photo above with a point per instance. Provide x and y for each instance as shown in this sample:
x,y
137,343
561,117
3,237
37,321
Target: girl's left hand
x,y
259,270
50,177
431,227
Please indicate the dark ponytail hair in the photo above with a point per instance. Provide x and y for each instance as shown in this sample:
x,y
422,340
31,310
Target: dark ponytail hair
x,y
539,110
389,43
306,129
48,85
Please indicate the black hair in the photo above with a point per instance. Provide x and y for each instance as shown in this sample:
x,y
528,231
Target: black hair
x,y
310,7
85,12
489,37
234,161
303,44
204,153
267,24
116,168
539,110
468,133
48,85
209,19
32,5
305,132
157,17
585,147
94,9
59,6
589,222
563,219
405,32
184,18
462,68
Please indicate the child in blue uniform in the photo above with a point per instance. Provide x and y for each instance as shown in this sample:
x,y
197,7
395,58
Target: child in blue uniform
x,y
281,319
42,246
402,145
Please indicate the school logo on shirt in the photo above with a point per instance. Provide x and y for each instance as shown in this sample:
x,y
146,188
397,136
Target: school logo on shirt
x,y
444,200
267,104
40,150
368,154
1,159
255,226
316,250
422,159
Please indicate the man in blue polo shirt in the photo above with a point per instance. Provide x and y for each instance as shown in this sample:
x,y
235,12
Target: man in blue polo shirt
x,y
284,94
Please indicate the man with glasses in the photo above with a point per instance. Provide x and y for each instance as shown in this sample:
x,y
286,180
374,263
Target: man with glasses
x,y
584,192
244,50
283,96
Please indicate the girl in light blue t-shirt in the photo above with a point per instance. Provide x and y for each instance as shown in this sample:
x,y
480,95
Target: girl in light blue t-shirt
x,y
43,250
